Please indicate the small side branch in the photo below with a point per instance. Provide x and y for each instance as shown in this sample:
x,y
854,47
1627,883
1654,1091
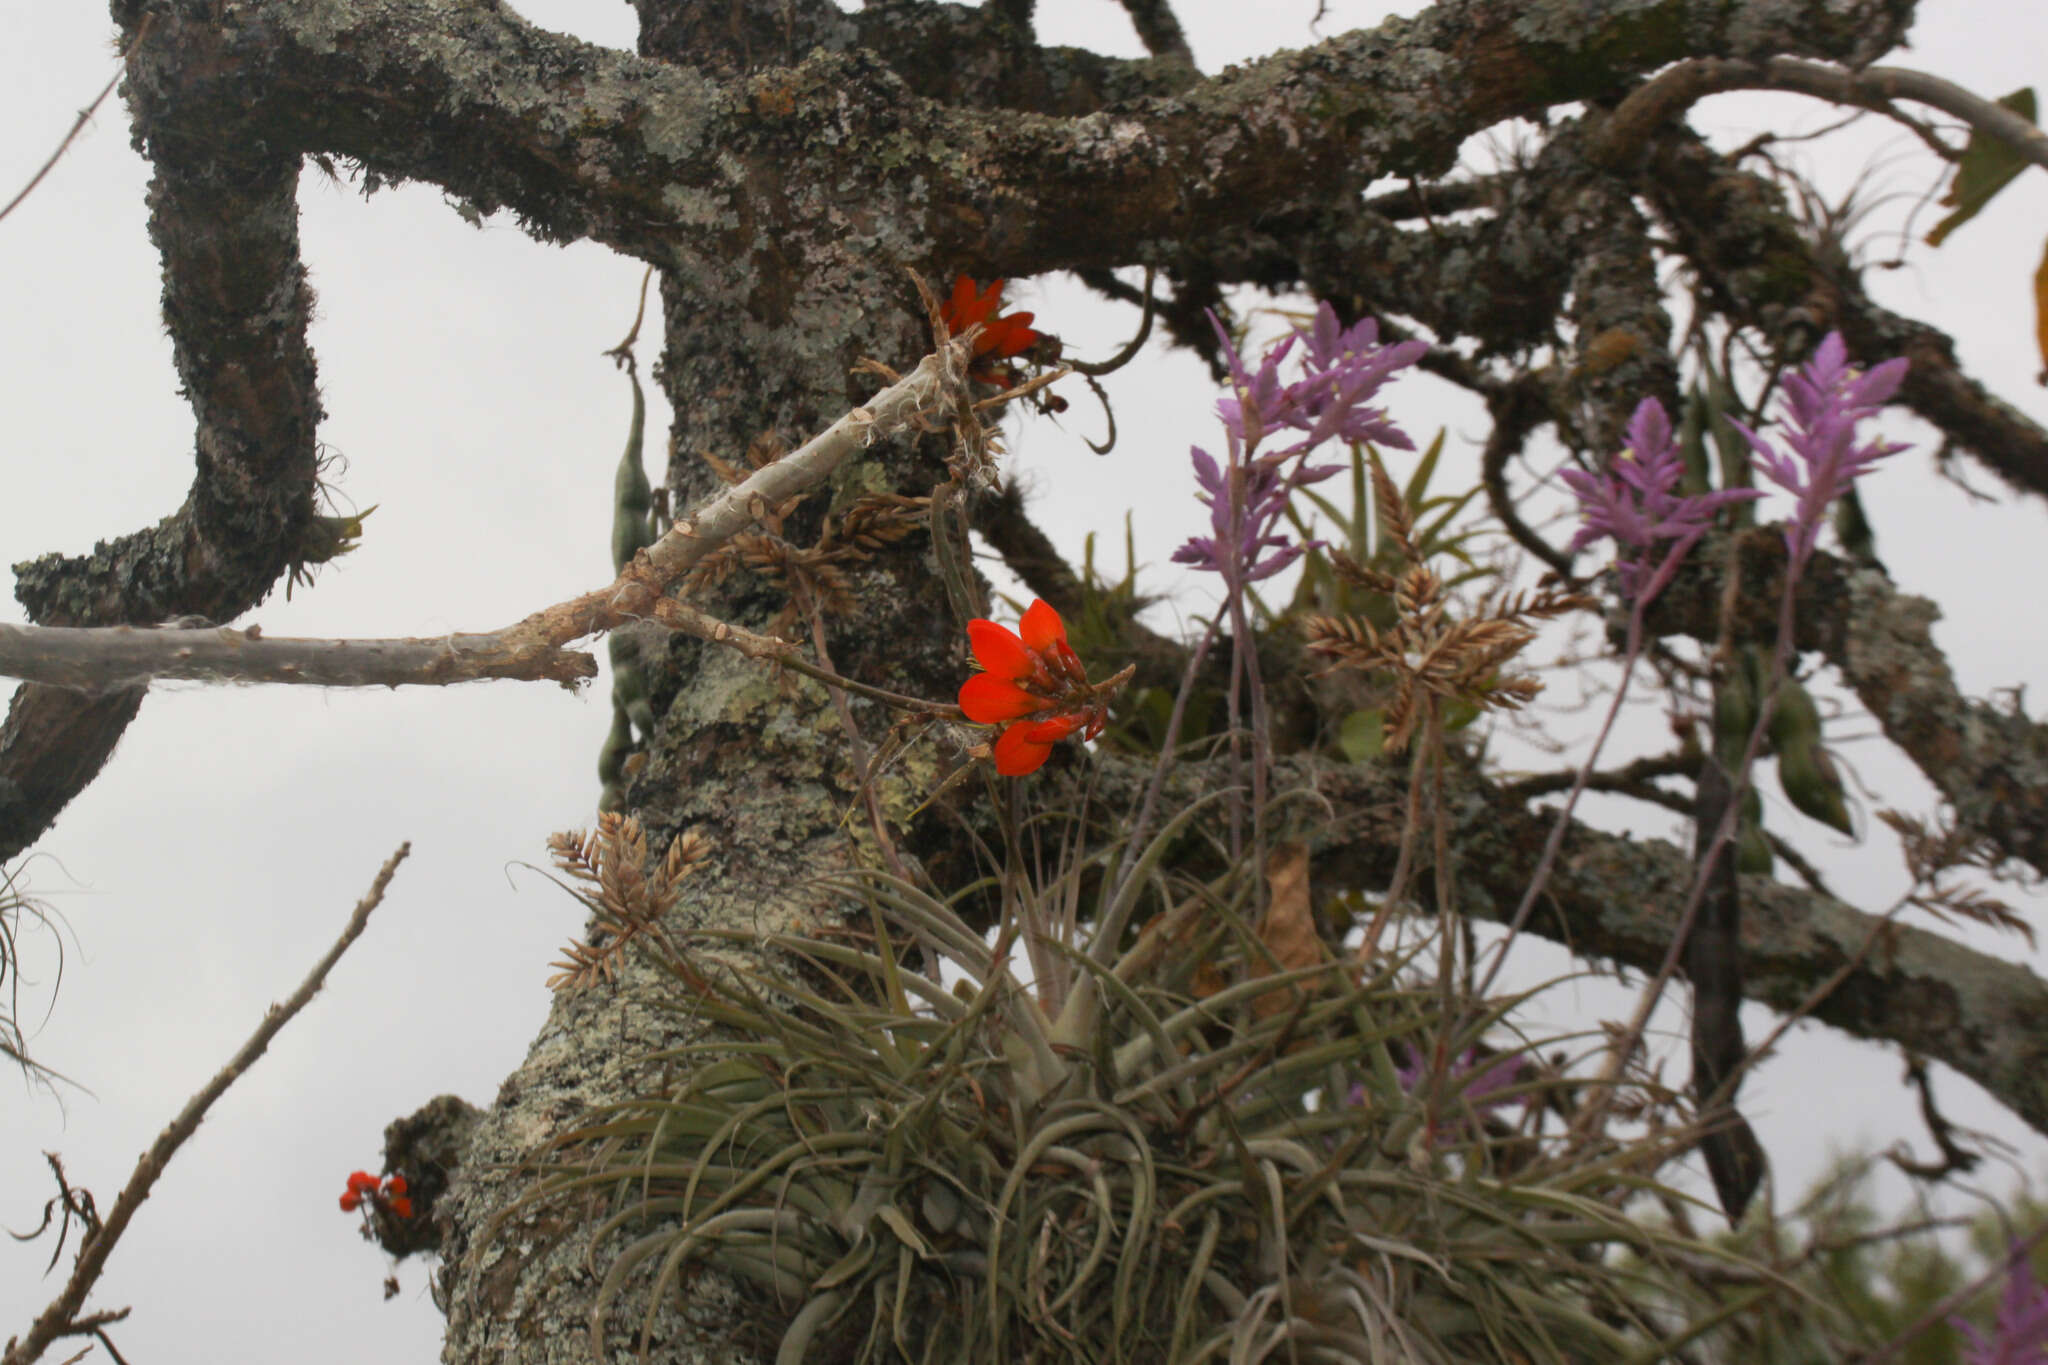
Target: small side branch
x,y
62,1317
105,658
1874,88
1159,30
114,658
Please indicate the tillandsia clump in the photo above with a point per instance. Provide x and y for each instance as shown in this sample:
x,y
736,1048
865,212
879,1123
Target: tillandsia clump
x,y
1168,1145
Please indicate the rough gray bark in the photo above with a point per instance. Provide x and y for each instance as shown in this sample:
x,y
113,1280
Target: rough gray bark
x,y
782,163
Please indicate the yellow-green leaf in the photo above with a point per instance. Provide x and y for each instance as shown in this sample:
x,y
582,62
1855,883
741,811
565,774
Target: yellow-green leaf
x,y
1988,166
2041,312
1363,734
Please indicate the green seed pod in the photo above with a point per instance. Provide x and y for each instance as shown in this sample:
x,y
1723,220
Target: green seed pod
x,y
629,683
1729,445
1734,715
1795,720
611,759
1752,849
1813,785
1692,441
632,496
1753,853
1859,541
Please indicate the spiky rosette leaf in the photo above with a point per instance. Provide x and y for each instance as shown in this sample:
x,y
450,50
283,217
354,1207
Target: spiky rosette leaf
x,y
1173,1152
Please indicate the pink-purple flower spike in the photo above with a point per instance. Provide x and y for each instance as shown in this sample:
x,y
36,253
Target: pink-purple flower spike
x,y
2019,1336
1824,401
1342,369
1636,501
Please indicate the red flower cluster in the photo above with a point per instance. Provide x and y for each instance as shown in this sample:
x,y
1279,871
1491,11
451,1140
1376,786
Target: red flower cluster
x,y
388,1193
1001,337
1034,685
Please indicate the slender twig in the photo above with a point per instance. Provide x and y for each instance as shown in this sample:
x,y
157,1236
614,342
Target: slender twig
x,y
1626,778
104,658
534,648
1131,348
1947,1308
84,117
1653,991
1540,878
62,1318
1873,88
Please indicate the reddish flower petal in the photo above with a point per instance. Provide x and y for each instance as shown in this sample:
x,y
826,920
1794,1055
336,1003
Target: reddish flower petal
x,y
362,1182
402,1206
961,300
1043,629
1025,746
395,1185
1058,728
349,1201
969,305
990,700
1017,753
999,650
1008,335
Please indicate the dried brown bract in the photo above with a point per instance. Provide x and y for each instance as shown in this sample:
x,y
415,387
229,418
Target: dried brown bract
x,y
608,871
871,523
1431,656
1933,854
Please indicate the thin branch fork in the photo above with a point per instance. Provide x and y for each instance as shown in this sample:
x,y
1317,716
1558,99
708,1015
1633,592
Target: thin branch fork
x,y
1874,88
62,1318
108,658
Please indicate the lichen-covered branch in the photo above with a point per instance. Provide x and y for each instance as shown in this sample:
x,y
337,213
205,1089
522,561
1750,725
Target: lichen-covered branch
x,y
655,158
237,305
1990,761
1761,272
1617,898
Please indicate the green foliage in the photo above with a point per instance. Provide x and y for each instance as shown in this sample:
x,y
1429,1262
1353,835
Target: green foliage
x,y
1855,1284
1170,1146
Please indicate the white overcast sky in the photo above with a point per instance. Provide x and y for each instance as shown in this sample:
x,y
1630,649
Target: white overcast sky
x,y
219,853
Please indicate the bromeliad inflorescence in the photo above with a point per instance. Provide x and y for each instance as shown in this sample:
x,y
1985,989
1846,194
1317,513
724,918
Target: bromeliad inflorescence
x,y
1001,337
368,1193
1034,686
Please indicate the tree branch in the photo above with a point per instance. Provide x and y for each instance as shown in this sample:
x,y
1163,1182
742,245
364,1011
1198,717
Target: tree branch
x,y
1990,762
237,306
1618,898
111,657
663,159
1873,88
118,657
1761,272
61,1318
1159,30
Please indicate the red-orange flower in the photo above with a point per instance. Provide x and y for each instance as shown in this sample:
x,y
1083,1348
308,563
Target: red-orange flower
x,y
388,1193
1033,685
1000,337
361,1185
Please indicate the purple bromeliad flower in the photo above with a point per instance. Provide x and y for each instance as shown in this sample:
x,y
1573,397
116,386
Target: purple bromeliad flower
x,y
1824,401
1473,1078
1248,492
1637,502
2019,1335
